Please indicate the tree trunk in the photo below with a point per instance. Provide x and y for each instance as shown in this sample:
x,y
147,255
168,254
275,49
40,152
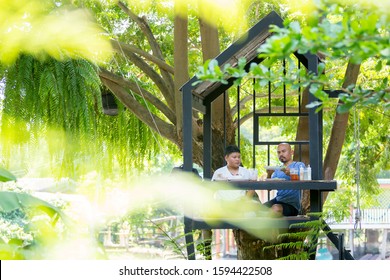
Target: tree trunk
x,y
251,248
221,112
339,129
180,63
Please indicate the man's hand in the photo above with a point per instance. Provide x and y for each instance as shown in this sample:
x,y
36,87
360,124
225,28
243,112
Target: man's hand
x,y
269,173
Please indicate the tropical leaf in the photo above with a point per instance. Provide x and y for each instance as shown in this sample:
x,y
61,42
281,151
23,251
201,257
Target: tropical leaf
x,y
6,176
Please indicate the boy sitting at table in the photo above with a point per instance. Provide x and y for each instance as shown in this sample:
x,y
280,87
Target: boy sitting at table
x,y
232,171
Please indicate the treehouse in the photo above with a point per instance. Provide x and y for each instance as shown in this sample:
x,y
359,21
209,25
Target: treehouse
x,y
257,105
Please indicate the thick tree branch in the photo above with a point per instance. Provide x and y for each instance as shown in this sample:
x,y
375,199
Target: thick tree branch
x,y
249,98
275,109
242,104
154,76
122,48
339,128
143,25
134,87
161,127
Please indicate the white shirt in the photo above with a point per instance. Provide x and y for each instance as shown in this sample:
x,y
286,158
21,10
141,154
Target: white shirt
x,y
223,174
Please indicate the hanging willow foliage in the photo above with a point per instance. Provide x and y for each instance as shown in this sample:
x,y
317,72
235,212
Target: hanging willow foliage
x,y
53,109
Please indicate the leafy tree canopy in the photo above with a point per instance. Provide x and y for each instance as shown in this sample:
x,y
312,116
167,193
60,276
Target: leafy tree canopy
x,y
357,33
43,28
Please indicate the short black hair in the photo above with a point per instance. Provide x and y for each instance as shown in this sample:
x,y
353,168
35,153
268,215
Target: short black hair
x,y
231,149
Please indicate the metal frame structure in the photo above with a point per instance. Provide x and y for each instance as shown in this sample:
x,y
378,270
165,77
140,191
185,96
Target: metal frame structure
x,y
201,96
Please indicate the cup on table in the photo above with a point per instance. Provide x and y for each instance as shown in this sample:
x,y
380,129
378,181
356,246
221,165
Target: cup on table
x,y
294,174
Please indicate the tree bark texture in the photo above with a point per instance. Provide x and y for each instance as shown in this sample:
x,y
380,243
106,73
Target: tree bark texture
x,y
253,248
180,54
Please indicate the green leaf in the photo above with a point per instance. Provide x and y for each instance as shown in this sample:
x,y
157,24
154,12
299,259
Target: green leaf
x,y
6,176
385,52
315,88
241,62
344,108
321,68
378,66
296,27
313,104
11,201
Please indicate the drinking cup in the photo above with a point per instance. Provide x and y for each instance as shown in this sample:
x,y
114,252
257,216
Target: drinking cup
x,y
294,174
